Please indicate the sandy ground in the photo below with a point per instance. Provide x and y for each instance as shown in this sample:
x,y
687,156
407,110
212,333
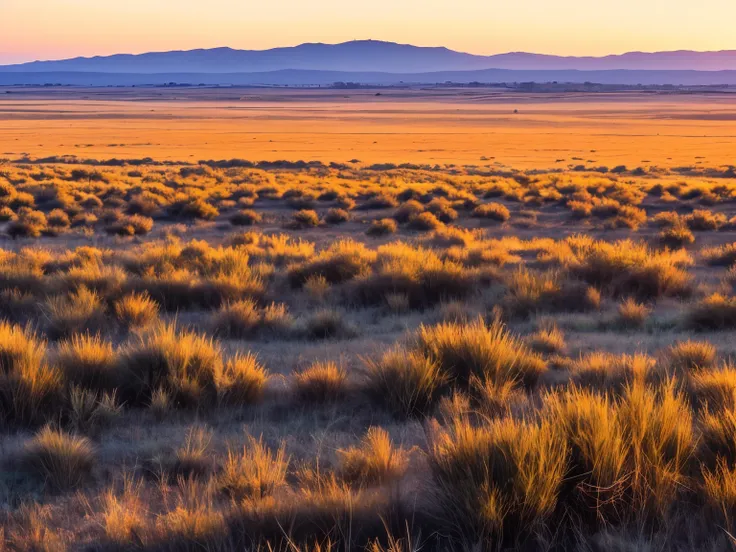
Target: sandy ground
x,y
422,126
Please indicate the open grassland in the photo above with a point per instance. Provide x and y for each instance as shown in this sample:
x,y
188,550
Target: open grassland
x,y
294,356
458,126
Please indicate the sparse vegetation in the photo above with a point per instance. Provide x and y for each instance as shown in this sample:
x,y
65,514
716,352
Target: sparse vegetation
x,y
426,358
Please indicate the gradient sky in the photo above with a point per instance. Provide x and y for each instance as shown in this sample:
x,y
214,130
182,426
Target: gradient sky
x,y
55,29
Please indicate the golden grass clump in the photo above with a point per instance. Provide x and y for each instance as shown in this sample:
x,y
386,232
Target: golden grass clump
x,y
407,382
713,313
492,211
185,364
255,473
480,350
321,382
61,460
382,227
714,388
631,314
702,219
243,380
528,292
498,479
676,236
690,356
724,255
246,217
628,268
136,310
305,218
29,388
657,423
719,488
375,461
342,261
77,312
599,452
548,340
88,361
327,324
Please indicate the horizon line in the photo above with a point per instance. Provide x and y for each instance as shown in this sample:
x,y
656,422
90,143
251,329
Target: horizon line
x,y
502,53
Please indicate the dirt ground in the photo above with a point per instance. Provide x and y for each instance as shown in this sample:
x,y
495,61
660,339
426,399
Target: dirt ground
x,y
445,126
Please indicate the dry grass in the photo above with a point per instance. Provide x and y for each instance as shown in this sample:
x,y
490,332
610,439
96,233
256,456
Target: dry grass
x,y
321,382
255,473
480,350
61,460
136,310
185,364
553,432
407,383
375,461
89,361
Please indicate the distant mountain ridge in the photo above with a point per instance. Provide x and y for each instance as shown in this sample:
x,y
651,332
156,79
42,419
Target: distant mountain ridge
x,y
372,56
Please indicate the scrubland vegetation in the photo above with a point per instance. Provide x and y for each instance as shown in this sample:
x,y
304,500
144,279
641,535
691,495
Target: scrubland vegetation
x,y
220,357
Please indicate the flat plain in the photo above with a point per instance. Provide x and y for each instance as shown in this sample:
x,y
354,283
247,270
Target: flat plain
x,y
243,319
445,126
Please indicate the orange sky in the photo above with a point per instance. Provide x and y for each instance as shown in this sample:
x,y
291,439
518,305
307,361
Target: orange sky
x,y
54,29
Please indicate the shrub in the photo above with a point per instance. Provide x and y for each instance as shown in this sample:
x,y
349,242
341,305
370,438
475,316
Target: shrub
x,y
381,227
199,209
327,324
529,292
255,473
182,363
424,222
580,209
29,388
715,312
238,319
599,453
134,225
657,424
337,216
342,261
192,459
548,340
501,478
492,211
76,312
246,217
136,310
63,461
689,356
89,362
322,382
305,219
408,210
701,219
480,350
374,461
29,223
631,314
626,268
408,383
715,389
58,219
243,380
676,236
724,255
379,201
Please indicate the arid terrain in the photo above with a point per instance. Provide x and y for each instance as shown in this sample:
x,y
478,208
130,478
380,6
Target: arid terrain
x,y
445,126
315,320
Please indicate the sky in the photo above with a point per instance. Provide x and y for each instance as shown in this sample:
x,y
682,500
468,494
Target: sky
x,y
58,29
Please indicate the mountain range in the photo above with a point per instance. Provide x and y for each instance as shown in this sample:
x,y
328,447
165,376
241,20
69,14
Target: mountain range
x,y
374,62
